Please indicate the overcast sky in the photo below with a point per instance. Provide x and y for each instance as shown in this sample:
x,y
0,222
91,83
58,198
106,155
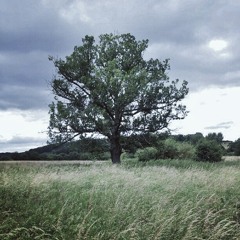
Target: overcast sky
x,y
201,38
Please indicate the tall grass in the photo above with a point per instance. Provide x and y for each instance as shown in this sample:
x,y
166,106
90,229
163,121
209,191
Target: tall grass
x,y
154,200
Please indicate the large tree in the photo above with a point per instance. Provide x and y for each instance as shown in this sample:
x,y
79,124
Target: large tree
x,y
110,89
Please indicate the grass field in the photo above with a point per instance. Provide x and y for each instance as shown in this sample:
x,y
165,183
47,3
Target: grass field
x,y
165,199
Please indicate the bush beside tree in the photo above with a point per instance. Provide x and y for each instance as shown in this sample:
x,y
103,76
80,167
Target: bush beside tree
x,y
167,149
146,154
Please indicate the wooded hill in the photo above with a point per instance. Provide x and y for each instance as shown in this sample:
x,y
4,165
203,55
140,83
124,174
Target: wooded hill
x,y
98,149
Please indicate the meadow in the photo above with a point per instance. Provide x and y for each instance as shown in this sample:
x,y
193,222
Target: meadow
x,y
163,199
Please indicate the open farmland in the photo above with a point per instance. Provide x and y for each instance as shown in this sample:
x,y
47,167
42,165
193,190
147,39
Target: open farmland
x,y
165,199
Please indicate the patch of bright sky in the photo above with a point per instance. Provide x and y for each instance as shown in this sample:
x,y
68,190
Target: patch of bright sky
x,y
211,110
22,124
218,45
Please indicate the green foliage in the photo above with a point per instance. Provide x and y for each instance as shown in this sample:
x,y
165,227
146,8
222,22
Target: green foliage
x,y
95,156
127,155
218,137
185,150
167,149
191,138
146,154
195,138
235,147
84,149
173,149
110,89
134,142
209,151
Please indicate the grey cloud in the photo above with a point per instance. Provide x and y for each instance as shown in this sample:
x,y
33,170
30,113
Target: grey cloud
x,y
32,116
30,32
29,25
223,125
21,144
179,30
24,98
21,140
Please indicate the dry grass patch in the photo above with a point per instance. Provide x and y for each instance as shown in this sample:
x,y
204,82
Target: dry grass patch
x,y
231,158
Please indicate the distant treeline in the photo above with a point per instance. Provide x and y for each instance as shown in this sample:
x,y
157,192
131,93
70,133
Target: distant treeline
x,y
98,149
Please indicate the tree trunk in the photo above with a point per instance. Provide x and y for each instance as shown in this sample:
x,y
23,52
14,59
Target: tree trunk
x,y
115,149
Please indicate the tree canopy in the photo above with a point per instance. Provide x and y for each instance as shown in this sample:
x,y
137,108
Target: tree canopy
x,y
110,89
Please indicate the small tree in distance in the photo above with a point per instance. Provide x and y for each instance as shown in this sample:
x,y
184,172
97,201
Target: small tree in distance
x,y
218,137
108,88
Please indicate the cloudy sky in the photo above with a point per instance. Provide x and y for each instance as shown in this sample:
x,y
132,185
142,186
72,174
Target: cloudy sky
x,y
200,37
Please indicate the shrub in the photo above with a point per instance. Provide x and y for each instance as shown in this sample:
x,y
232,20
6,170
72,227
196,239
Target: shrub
x,y
146,154
208,151
186,150
127,155
167,149
102,156
173,149
73,156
